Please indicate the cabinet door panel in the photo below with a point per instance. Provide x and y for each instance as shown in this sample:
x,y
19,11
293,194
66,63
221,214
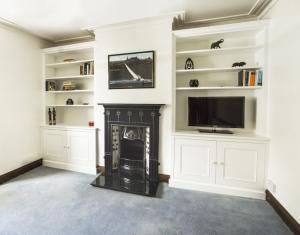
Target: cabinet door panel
x,y
54,145
79,147
241,164
194,160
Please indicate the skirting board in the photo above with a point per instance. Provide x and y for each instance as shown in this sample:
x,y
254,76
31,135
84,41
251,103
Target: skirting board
x,y
69,167
283,213
19,171
219,189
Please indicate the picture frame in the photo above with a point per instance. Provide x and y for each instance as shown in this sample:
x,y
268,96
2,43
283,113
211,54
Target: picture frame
x,y
134,70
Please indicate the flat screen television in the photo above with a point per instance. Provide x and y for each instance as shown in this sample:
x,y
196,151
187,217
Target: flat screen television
x,y
225,112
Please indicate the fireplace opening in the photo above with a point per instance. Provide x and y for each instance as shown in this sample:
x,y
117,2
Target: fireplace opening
x,y
130,154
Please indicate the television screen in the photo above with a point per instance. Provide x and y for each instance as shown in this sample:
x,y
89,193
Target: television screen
x,y
216,111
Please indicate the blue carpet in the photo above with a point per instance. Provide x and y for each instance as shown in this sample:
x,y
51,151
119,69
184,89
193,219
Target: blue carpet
x,y
49,201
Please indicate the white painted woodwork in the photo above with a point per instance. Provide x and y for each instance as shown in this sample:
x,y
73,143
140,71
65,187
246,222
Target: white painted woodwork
x,y
69,148
245,41
233,165
194,160
241,164
55,145
56,69
79,147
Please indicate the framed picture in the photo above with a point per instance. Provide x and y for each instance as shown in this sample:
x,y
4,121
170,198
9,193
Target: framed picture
x,y
131,70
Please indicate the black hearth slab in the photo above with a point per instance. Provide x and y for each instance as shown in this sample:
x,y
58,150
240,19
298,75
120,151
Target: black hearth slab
x,y
113,182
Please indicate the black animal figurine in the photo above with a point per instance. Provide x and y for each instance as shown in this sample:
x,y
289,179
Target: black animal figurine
x,y
216,45
189,64
239,64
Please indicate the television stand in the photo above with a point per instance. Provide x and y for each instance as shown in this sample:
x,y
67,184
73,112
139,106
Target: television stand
x,y
215,131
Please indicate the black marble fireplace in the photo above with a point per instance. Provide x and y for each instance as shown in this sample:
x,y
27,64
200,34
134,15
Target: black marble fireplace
x,y
131,148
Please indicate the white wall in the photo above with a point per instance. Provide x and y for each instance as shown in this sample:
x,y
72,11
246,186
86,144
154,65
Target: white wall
x,y
20,95
284,51
138,36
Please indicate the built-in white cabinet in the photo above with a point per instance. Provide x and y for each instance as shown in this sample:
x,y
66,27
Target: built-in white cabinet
x,y
240,164
69,148
234,166
54,145
194,160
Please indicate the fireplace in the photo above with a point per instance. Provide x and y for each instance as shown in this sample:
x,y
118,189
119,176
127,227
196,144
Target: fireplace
x,y
131,148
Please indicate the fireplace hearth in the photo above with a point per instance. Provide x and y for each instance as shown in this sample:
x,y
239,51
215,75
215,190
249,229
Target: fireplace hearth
x,y
131,148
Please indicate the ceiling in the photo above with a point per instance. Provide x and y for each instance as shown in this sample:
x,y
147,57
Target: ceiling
x,y
60,19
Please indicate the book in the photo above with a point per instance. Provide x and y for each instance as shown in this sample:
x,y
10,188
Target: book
x,y
260,78
81,69
252,78
247,78
241,78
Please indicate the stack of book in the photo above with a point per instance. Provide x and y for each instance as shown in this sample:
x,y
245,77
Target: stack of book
x,y
87,68
250,78
69,86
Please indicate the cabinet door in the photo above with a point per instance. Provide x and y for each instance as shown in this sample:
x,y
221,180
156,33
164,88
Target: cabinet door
x,y
194,160
241,164
54,145
79,147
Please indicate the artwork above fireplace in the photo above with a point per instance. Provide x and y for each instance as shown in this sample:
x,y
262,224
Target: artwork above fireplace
x,y
131,148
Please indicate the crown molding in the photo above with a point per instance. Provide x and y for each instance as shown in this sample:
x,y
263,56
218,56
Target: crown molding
x,y
258,9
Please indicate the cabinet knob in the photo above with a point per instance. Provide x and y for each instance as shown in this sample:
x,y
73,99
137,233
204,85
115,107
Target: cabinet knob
x,y
221,163
215,163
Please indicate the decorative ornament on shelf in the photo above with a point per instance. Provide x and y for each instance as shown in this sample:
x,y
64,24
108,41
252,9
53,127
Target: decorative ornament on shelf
x,y
54,116
69,101
189,64
69,60
50,86
239,64
194,83
216,45
50,116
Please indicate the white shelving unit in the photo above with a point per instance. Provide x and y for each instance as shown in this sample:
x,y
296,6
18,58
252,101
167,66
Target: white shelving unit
x,y
63,64
71,143
205,52
70,77
72,91
219,88
219,163
58,70
217,69
243,42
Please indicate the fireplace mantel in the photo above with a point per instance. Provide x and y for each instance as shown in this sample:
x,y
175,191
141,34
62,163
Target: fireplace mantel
x,y
140,117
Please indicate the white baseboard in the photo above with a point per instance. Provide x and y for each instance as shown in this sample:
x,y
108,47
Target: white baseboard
x,y
70,167
219,189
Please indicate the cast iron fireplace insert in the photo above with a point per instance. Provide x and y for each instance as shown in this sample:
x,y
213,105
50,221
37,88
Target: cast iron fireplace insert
x,y
131,148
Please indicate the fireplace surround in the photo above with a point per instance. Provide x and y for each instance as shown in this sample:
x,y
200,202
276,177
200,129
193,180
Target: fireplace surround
x,y
131,148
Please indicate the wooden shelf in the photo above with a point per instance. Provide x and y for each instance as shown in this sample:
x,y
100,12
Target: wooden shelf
x,y
63,64
219,88
220,69
70,77
71,91
215,51
70,106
